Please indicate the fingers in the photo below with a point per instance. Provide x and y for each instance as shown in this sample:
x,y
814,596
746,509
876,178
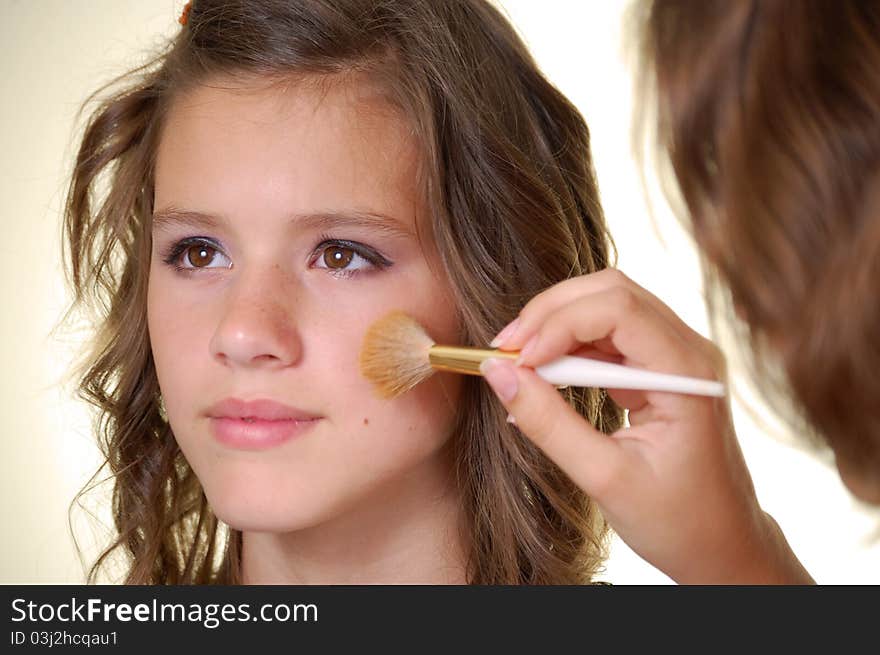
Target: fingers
x,y
614,315
586,455
517,333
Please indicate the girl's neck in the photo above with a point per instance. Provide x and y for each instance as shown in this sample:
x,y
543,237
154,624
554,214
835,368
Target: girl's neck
x,y
404,533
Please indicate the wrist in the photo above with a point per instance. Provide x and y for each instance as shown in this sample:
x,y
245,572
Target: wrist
x,y
758,555
774,561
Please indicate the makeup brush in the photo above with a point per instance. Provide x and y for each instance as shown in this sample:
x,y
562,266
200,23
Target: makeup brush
x,y
398,354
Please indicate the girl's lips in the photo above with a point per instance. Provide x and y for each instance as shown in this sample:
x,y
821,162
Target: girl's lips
x,y
257,433
257,424
261,409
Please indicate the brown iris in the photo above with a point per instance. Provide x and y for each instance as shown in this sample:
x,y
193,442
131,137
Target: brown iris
x,y
200,255
337,256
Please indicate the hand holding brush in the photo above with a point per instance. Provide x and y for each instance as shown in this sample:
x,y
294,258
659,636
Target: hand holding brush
x,y
673,484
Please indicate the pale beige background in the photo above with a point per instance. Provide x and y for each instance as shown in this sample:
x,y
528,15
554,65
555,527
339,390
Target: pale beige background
x,y
56,51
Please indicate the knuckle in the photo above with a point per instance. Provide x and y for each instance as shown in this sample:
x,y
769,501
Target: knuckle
x,y
624,300
707,360
616,277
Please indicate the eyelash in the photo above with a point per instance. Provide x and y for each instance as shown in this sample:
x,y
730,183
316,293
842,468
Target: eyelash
x,y
175,252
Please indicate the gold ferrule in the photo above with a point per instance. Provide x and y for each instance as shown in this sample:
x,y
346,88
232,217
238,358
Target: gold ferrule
x,y
460,359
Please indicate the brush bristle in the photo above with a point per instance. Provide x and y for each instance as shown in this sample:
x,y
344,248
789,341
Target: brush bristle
x,y
394,356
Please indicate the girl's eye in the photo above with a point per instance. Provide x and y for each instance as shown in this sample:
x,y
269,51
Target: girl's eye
x,y
338,257
191,254
347,258
199,256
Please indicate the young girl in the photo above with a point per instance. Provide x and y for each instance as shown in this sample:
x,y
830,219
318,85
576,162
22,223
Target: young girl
x,y
243,208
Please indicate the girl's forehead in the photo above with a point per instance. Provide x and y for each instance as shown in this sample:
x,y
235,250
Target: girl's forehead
x,y
303,118
308,144
358,98
326,117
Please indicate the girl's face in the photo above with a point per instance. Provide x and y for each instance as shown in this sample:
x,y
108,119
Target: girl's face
x,y
285,224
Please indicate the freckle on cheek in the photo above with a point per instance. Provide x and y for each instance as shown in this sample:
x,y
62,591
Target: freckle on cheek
x,y
366,421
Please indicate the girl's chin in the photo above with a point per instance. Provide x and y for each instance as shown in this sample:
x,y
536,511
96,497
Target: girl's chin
x,y
261,523
265,515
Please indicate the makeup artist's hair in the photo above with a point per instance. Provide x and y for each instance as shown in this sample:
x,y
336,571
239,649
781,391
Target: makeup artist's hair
x,y
513,208
768,114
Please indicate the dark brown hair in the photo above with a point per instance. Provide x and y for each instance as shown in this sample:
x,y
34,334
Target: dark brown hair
x,y
508,178
768,112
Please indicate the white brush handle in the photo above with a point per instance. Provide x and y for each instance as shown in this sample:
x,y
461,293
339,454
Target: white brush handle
x,y
583,372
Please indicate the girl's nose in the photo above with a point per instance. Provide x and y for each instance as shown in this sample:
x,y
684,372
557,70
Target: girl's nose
x,y
257,326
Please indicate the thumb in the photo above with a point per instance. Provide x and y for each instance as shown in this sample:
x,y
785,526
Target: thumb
x,y
586,455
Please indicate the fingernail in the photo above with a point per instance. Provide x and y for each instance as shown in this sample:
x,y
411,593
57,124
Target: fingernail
x,y
501,377
510,419
527,350
505,334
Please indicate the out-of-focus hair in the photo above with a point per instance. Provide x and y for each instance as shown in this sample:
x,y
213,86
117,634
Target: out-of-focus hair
x,y
768,115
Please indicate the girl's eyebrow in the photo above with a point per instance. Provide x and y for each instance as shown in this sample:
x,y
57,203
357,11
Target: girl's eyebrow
x,y
171,216
388,225
167,218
